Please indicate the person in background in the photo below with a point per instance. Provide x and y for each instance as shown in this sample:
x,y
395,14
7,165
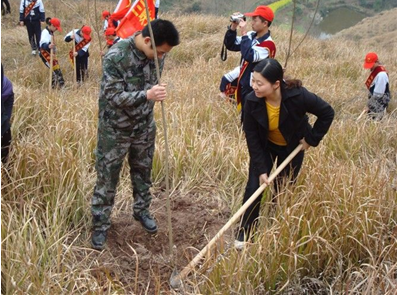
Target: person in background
x,y
82,39
254,46
228,84
378,86
31,13
157,4
7,8
275,123
111,38
7,103
108,21
126,126
46,44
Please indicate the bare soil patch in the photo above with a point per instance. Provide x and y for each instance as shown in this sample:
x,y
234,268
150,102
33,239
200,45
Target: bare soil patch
x,y
139,263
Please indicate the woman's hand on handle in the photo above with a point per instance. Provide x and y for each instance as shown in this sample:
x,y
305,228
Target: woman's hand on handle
x,y
305,144
264,179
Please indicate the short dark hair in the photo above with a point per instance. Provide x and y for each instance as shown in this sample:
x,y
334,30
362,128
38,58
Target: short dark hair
x,y
265,20
163,32
271,70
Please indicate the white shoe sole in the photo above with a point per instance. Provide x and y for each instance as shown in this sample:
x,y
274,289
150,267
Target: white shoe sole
x,y
239,245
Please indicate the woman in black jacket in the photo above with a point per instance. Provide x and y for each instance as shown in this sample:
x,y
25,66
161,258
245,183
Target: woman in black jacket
x,y
275,123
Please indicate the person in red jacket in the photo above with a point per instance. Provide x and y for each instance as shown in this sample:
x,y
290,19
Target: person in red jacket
x,y
275,123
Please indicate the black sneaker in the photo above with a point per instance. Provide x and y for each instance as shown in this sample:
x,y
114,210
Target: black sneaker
x,y
147,221
98,239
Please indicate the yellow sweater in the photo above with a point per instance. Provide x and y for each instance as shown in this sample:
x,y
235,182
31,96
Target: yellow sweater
x,y
274,134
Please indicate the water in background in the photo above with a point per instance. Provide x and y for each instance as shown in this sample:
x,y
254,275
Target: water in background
x,y
337,20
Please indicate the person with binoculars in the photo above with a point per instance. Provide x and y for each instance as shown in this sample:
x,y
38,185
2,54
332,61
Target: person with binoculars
x,y
254,46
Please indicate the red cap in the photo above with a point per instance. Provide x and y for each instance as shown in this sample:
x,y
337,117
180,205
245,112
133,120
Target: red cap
x,y
105,14
56,23
110,31
263,11
86,31
370,59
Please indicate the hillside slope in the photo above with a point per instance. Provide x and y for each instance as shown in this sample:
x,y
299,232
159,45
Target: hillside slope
x,y
379,30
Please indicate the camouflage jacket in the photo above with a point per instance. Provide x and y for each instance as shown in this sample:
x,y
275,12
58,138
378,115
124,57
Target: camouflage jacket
x,y
127,75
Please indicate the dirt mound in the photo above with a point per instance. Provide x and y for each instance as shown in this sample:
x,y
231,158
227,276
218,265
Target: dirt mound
x,y
140,262
376,30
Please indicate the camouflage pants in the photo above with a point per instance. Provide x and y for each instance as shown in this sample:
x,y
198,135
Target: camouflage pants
x,y
112,147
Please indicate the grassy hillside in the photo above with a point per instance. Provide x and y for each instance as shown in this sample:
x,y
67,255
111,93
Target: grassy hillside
x,y
225,7
332,233
380,30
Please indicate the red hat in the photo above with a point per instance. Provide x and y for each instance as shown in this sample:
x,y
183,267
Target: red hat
x,y
370,59
263,11
86,31
105,14
110,31
56,23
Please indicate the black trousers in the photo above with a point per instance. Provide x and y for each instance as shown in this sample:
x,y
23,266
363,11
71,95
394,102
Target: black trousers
x,y
252,212
7,9
5,145
34,34
81,67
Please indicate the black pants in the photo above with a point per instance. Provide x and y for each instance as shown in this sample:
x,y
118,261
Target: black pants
x,y
252,212
34,33
5,145
7,9
81,67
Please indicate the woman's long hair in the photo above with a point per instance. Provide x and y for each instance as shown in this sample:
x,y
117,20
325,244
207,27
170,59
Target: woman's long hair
x,y
271,70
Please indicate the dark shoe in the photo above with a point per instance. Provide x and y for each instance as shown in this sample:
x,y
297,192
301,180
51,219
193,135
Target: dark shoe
x,y
98,239
147,222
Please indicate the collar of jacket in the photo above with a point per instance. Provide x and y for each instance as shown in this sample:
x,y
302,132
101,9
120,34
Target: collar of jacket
x,y
259,112
138,53
263,38
49,31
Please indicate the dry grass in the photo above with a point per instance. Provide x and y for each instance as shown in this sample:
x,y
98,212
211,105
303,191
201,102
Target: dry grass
x,y
335,232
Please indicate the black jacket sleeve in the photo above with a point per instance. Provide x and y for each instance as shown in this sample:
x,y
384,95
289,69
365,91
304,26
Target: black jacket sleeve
x,y
256,151
324,113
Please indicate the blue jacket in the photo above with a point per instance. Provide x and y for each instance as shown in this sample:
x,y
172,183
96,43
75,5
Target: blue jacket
x,y
7,102
251,51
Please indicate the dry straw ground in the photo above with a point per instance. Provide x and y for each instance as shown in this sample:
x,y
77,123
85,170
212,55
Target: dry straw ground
x,y
334,232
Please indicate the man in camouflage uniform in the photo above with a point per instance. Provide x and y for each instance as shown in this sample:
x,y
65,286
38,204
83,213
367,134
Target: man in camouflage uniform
x,y
129,90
